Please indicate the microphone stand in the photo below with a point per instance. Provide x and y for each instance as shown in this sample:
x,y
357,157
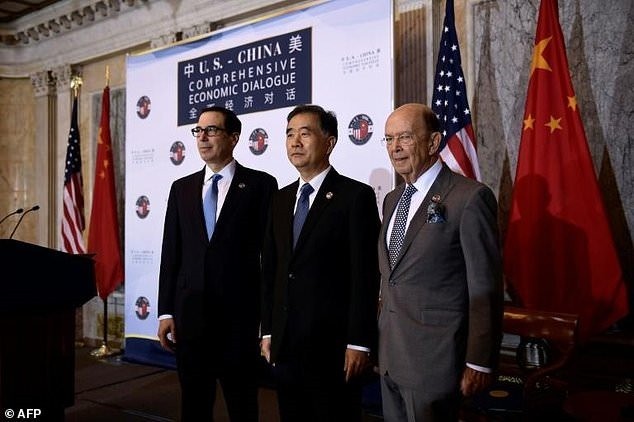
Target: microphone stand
x,y
33,208
18,211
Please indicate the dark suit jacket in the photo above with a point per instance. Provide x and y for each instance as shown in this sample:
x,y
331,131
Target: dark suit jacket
x,y
321,296
211,287
442,303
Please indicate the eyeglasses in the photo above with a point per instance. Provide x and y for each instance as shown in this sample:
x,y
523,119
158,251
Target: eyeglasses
x,y
405,139
208,130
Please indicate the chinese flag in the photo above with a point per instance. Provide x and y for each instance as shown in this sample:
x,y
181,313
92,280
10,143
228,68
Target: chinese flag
x,y
559,254
103,237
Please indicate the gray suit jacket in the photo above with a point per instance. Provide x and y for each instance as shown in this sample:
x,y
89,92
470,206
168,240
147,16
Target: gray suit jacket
x,y
442,302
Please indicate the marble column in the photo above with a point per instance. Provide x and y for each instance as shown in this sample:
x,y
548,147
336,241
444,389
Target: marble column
x,y
45,156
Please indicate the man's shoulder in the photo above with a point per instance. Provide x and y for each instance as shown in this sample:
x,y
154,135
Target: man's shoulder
x,y
290,189
467,184
189,178
348,183
256,174
468,190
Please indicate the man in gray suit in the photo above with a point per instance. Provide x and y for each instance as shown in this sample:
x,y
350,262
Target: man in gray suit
x,y
441,284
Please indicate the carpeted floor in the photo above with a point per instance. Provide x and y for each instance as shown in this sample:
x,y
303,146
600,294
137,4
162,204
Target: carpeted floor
x,y
600,376
114,390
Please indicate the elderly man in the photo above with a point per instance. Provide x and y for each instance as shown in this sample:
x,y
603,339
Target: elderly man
x,y
441,284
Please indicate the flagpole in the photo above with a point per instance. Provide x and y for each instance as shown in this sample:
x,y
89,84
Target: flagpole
x,y
75,83
105,351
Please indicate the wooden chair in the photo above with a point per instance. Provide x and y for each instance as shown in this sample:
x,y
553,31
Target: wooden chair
x,y
522,390
560,332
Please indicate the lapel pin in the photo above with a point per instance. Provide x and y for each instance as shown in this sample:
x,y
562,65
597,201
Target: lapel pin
x,y
436,198
241,185
329,195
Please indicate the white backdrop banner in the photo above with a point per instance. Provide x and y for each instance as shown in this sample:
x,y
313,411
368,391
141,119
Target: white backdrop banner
x,y
336,54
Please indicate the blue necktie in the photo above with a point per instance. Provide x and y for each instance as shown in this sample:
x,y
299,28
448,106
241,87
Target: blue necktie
x,y
301,212
398,230
210,205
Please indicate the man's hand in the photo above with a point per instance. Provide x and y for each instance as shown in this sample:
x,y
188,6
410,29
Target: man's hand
x,y
265,348
167,327
355,363
474,381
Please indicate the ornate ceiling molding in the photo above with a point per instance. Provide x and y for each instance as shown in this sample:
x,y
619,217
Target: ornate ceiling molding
x,y
77,31
61,18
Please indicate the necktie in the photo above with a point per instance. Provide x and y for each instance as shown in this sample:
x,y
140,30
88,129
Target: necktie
x,y
210,205
398,231
301,212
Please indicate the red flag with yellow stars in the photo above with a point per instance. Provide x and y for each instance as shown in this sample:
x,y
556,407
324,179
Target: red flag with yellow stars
x,y
103,238
559,254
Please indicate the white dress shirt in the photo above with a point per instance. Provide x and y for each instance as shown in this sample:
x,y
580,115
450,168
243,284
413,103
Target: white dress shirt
x,y
227,174
422,185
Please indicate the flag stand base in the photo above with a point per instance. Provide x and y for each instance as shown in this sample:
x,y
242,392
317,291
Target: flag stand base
x,y
104,351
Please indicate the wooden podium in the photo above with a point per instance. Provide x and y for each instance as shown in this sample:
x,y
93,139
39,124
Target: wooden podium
x,y
40,289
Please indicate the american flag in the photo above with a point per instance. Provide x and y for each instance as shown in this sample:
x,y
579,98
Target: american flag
x,y
449,102
73,219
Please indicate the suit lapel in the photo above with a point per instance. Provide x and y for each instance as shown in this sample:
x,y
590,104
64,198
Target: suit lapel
x,y
198,215
288,197
235,195
322,199
389,210
441,186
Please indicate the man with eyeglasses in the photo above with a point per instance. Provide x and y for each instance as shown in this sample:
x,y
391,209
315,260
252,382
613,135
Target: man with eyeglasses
x,y
441,285
208,302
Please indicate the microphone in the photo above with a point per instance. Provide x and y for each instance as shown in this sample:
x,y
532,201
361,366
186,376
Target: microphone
x,y
33,208
18,211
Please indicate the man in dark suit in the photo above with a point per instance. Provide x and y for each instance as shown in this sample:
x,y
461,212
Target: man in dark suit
x,y
320,278
441,283
210,273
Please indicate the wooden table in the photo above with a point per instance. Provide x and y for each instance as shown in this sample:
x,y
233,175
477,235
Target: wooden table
x,y
600,406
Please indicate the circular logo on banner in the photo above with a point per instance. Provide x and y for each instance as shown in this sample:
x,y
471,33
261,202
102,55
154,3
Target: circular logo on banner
x,y
258,141
360,129
142,307
177,153
143,107
142,206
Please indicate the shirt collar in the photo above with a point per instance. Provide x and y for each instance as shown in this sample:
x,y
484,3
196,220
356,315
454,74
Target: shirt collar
x,y
226,172
315,182
425,180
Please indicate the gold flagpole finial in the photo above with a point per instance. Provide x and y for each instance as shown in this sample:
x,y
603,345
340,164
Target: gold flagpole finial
x,y
75,82
107,75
